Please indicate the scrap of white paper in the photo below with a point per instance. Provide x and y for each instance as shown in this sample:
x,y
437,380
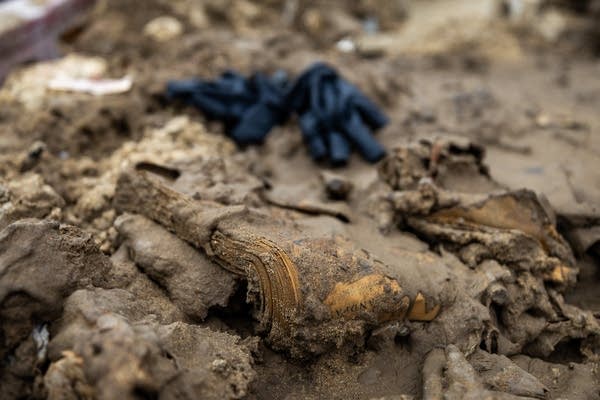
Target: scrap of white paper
x,y
97,87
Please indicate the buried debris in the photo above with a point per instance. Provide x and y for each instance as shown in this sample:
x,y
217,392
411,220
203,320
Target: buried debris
x,y
309,293
314,290
510,231
317,288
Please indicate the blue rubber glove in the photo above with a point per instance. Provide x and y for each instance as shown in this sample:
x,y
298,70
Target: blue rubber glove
x,y
334,116
249,107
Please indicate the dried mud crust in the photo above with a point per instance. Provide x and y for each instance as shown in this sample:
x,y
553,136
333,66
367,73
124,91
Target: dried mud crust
x,y
143,256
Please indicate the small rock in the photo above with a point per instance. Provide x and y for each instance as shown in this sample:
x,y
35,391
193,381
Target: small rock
x,y
346,45
163,29
338,187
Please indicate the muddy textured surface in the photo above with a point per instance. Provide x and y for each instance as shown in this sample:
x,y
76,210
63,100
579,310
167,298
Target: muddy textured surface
x,y
144,255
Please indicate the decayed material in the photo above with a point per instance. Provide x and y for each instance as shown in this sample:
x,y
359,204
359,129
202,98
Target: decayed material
x,y
309,293
514,230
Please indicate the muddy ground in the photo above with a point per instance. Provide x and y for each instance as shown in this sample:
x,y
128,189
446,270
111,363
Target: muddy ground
x,y
141,251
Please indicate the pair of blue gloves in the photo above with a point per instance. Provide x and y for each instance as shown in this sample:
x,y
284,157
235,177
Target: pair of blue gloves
x,y
333,114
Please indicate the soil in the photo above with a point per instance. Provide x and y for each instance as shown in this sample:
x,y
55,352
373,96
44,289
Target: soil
x,y
141,251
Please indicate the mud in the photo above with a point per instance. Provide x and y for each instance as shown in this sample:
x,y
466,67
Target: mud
x,y
143,255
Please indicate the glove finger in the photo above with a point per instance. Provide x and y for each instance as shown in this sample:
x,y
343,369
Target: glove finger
x,y
270,93
216,99
339,148
296,97
213,108
301,96
231,82
310,127
317,148
254,125
360,135
369,111
223,88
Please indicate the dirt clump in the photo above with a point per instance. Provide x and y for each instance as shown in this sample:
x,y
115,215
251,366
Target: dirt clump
x,y
192,282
